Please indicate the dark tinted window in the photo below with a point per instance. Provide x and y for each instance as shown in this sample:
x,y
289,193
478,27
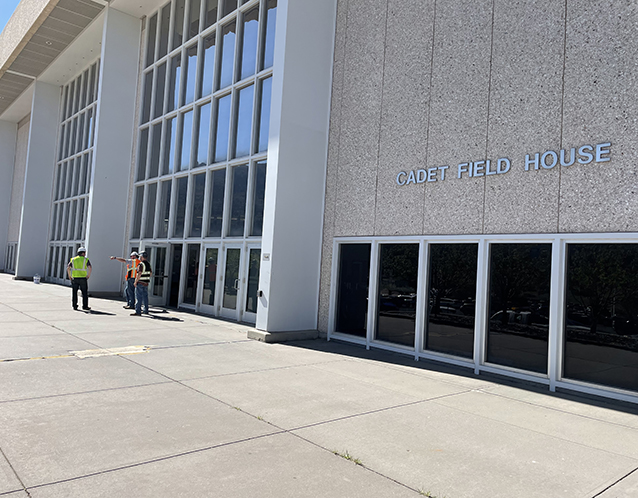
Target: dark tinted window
x,y
398,275
452,299
352,297
518,320
601,314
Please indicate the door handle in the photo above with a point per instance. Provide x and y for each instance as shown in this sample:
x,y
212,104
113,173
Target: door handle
x,y
236,285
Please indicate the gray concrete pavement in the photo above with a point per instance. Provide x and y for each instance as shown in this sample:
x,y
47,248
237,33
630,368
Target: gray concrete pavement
x,y
204,412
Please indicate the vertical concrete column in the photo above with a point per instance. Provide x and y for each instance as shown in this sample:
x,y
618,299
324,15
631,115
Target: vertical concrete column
x,y
113,147
297,158
38,180
8,135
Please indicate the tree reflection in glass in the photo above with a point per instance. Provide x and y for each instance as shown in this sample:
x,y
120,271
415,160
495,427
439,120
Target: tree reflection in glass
x,y
452,299
518,325
398,275
601,314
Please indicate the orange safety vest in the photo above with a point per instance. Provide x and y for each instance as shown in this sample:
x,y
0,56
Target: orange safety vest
x,y
131,269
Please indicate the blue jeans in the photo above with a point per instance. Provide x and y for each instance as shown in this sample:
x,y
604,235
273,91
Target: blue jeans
x,y
130,292
141,293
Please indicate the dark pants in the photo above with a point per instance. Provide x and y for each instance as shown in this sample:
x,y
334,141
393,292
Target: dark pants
x,y
80,283
130,292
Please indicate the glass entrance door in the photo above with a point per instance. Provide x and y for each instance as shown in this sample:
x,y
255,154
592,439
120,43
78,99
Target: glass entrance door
x,y
231,284
209,276
251,273
158,289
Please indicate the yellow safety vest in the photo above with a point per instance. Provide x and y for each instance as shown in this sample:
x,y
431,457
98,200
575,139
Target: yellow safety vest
x,y
144,269
79,265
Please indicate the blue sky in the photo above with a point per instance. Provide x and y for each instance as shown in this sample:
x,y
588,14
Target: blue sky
x,y
6,9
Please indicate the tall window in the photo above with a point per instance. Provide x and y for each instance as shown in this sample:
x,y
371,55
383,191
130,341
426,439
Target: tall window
x,y
601,315
73,170
205,104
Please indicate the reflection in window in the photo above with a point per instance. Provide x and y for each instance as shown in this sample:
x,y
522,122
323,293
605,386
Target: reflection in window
x,y
151,197
170,133
452,299
244,121
210,277
165,209
263,122
258,202
80,143
137,212
601,314
94,83
71,94
398,275
228,55
82,217
74,210
193,18
178,28
222,128
269,35
199,185
187,135
85,81
180,208
518,326
249,43
173,89
211,13
215,218
229,6
204,135
238,201
91,127
76,176
253,280
165,22
150,47
160,85
156,141
208,66
190,75
82,188
192,269
352,289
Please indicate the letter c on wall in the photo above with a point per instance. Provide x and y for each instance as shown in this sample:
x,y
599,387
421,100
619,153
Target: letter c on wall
x,y
399,182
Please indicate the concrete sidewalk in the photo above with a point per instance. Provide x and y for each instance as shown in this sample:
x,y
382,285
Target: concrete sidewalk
x,y
204,412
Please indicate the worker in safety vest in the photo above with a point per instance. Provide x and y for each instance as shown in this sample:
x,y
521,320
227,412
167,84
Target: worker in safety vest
x,y
79,271
142,281
131,273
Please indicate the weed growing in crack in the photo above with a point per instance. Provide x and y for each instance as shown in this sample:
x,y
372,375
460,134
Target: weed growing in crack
x,y
347,456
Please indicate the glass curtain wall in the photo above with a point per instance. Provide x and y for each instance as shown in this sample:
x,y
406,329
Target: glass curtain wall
x,y
203,132
73,171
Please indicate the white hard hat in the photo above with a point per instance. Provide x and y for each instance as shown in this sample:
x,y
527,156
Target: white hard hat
x,y
134,253
81,249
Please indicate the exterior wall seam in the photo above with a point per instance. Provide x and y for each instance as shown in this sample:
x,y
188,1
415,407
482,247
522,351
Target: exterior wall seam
x,y
376,180
562,115
427,131
487,120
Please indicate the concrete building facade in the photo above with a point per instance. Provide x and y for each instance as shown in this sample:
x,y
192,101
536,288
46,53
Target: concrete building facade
x,y
454,180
